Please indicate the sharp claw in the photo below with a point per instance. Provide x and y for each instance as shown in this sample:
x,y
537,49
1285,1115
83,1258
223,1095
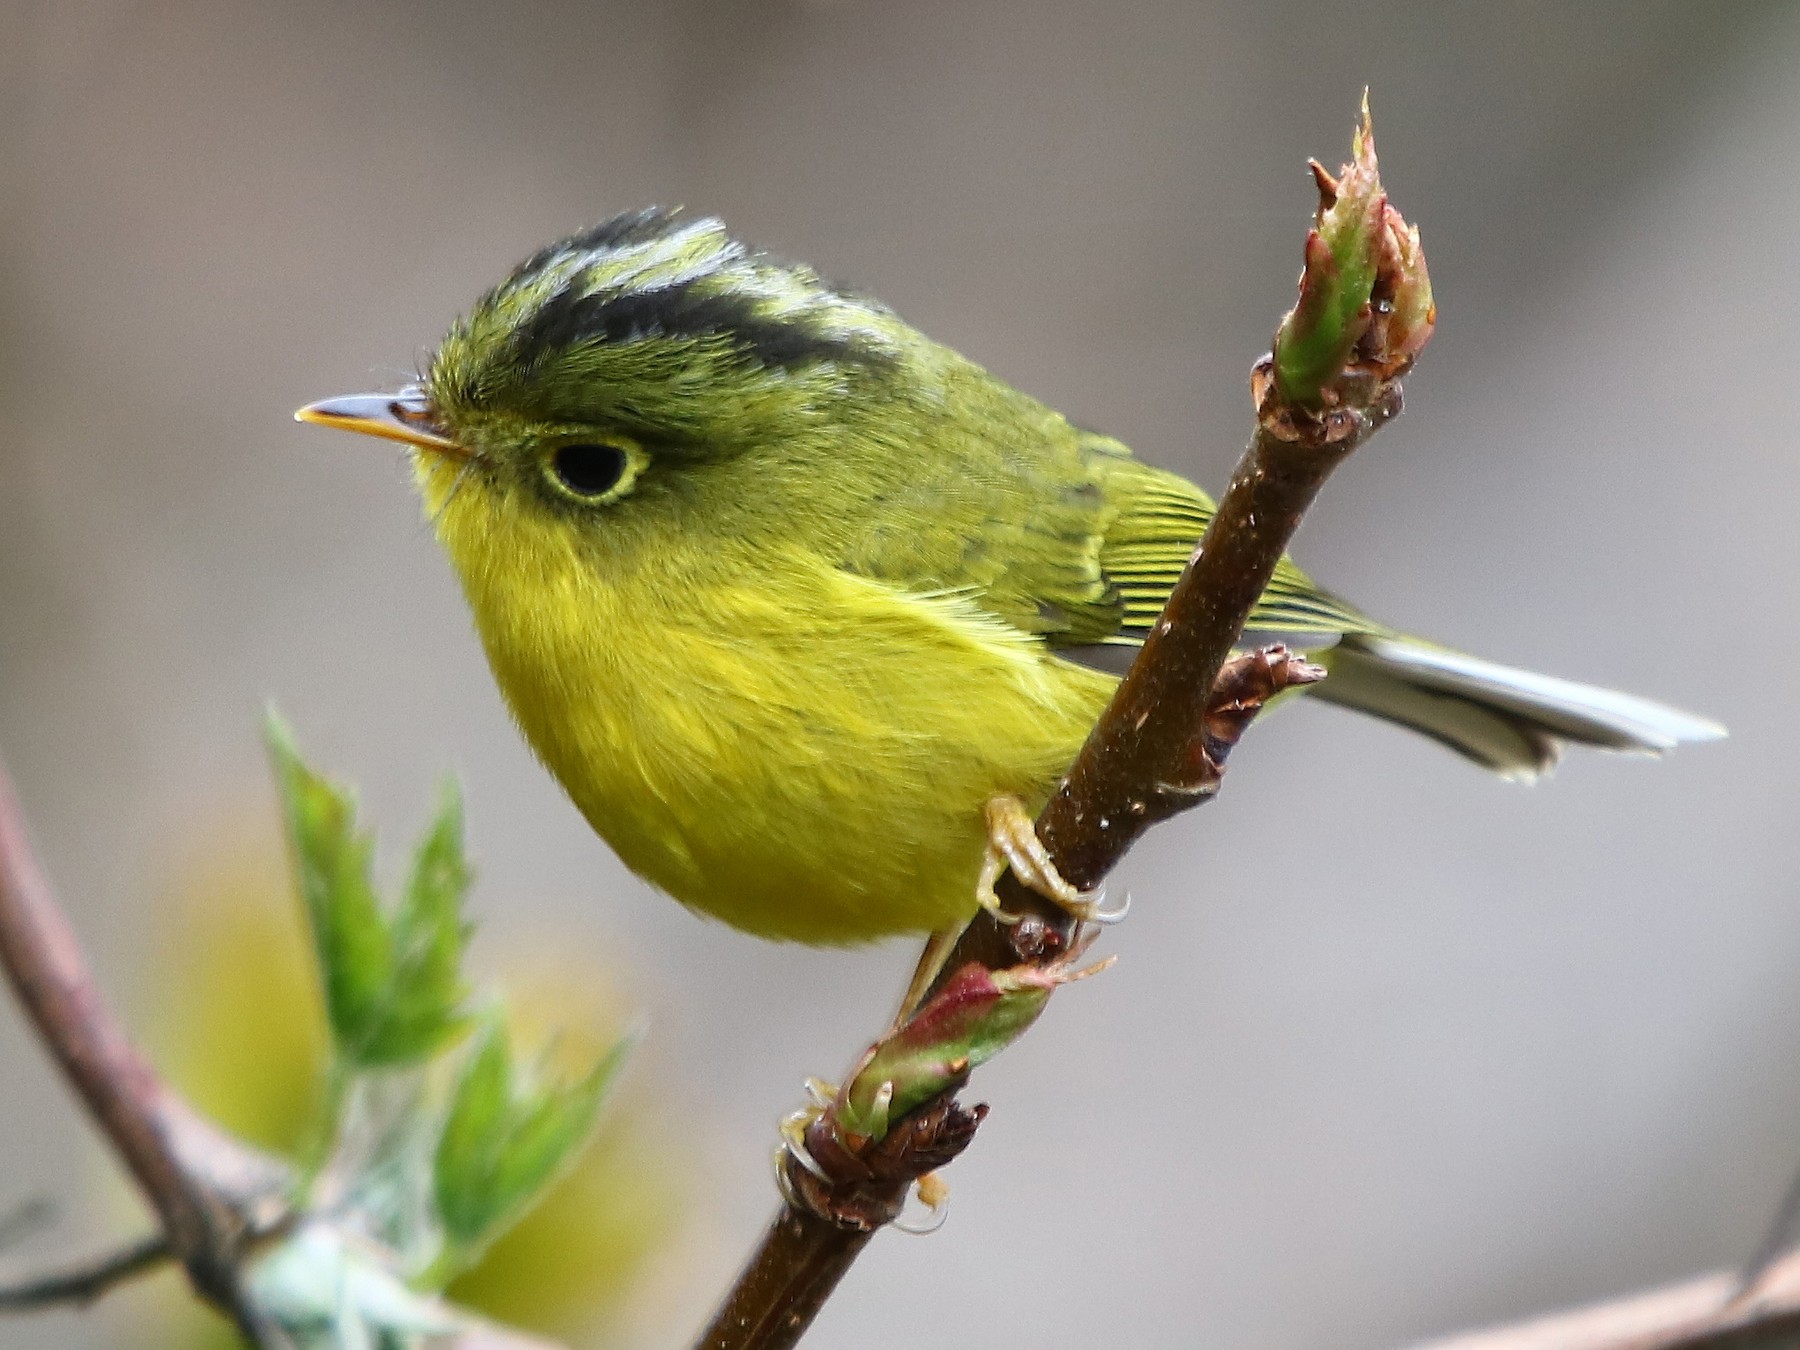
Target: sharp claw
x,y
793,1144
1092,913
782,1183
991,868
935,1196
800,1155
991,903
794,1125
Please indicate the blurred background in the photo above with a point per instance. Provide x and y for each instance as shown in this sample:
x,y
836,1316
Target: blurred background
x,y
1392,1048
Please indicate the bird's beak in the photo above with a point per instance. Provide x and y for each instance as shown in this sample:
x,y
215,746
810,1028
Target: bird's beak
x,y
405,417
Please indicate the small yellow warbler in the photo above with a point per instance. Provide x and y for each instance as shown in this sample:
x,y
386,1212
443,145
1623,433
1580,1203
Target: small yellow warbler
x,y
785,593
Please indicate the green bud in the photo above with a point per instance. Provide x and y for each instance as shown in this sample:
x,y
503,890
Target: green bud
x,y
1354,232
505,1139
1405,312
976,1015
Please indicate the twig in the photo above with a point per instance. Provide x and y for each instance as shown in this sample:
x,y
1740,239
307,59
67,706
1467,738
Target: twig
x,y
786,1281
1144,761
218,1198
1777,1242
1712,1312
212,1194
85,1281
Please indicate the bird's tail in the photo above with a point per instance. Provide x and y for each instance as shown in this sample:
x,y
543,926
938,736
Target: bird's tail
x,y
1510,721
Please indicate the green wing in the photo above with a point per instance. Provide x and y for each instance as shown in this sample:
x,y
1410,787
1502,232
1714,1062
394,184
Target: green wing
x,y
1158,519
1060,532
1014,517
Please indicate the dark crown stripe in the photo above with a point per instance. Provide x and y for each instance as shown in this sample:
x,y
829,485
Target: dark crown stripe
x,y
621,231
691,309
631,227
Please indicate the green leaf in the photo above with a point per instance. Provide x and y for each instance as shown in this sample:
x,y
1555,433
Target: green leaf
x,y
474,1130
506,1139
332,865
393,984
423,1007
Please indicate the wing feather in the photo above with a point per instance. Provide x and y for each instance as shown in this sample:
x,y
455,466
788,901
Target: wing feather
x,y
1158,519
1065,535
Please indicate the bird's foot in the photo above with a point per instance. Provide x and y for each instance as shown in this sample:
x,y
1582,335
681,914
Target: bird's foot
x,y
819,1096
855,1188
1012,842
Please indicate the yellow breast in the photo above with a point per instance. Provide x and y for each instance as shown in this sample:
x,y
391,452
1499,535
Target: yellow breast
x,y
797,751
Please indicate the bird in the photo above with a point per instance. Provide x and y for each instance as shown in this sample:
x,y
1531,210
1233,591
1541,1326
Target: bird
x,y
807,612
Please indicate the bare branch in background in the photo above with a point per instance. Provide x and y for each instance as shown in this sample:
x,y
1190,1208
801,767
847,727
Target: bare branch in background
x,y
1712,1312
220,1202
84,1281
213,1195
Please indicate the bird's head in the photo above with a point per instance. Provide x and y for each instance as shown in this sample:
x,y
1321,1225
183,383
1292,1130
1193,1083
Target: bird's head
x,y
648,359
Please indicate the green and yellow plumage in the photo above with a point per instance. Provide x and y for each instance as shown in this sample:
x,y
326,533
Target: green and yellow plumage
x,y
845,587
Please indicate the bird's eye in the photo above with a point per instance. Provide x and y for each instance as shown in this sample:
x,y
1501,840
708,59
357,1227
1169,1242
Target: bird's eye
x,y
590,470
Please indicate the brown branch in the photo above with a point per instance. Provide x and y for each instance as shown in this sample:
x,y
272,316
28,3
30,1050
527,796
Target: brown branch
x,y
212,1194
1122,782
1160,745
1138,765
1712,1312
85,1281
785,1283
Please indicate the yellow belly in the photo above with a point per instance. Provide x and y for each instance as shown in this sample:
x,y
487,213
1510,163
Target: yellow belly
x,y
804,754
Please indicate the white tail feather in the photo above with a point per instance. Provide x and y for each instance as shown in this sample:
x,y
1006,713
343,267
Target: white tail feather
x,y
1514,722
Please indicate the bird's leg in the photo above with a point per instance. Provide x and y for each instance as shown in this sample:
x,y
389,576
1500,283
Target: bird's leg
x,y
1013,843
931,963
